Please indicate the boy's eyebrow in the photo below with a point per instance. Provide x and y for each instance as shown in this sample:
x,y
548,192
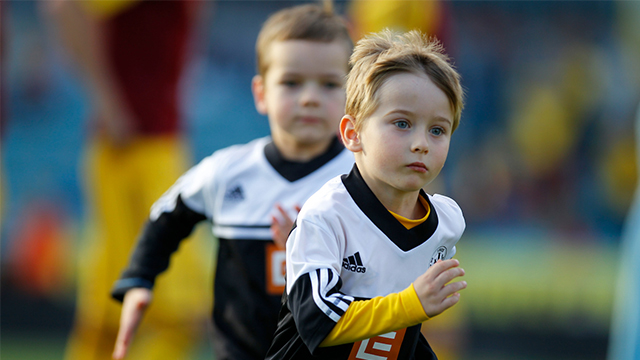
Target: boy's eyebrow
x,y
337,74
442,118
400,111
409,112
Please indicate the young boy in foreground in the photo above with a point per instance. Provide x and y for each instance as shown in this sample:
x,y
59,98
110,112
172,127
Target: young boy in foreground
x,y
357,280
250,192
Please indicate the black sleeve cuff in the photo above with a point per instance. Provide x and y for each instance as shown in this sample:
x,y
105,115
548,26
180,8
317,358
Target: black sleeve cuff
x,y
123,285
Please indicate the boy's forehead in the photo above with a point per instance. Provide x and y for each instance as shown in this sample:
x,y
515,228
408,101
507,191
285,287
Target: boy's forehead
x,y
305,44
412,92
405,79
309,56
402,81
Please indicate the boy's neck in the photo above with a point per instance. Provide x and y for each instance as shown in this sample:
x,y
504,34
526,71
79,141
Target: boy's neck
x,y
299,152
408,205
405,204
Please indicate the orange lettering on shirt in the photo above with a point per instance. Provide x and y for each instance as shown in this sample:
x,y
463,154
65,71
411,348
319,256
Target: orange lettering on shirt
x,y
382,347
276,267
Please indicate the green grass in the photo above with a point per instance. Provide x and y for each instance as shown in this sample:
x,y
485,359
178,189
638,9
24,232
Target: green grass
x,y
28,346
44,346
31,347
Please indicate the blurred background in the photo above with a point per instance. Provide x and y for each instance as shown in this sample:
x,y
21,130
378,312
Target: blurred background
x,y
543,163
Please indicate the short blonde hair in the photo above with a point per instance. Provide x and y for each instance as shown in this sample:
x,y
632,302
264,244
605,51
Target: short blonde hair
x,y
380,55
303,22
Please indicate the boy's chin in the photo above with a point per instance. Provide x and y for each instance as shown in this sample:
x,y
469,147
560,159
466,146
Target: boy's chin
x,y
406,187
314,137
416,183
414,189
415,186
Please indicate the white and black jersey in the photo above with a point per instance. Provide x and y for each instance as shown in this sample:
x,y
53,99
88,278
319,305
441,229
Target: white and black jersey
x,y
236,189
347,246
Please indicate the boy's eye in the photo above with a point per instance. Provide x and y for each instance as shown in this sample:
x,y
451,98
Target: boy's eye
x,y
332,85
402,124
290,83
437,131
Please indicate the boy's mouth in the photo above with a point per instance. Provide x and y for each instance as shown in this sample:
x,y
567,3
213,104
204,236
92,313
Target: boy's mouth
x,y
418,166
310,119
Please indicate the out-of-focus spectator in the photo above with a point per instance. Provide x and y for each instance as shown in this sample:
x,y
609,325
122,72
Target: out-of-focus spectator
x,y
131,56
546,118
370,16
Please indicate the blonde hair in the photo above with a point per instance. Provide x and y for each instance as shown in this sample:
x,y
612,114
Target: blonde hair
x,y
380,55
303,22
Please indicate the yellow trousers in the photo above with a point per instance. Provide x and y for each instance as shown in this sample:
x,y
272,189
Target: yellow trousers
x,y
122,183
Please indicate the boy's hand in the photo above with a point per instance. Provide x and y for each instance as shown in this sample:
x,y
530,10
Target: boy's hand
x,y
433,288
135,303
280,227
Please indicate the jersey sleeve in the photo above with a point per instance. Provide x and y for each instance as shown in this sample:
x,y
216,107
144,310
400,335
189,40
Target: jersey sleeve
x,y
313,282
172,219
196,188
367,318
450,213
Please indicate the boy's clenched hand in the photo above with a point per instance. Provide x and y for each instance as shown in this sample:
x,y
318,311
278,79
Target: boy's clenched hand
x,y
434,290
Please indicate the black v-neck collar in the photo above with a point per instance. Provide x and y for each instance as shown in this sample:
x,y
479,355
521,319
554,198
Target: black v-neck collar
x,y
405,239
293,170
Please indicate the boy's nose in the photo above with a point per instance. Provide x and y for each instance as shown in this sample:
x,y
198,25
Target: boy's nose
x,y
310,95
420,144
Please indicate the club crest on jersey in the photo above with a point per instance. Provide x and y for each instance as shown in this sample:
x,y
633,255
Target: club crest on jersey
x,y
439,254
234,193
354,263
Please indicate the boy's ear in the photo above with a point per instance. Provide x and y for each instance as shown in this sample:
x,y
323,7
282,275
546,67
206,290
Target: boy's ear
x,y
257,88
349,135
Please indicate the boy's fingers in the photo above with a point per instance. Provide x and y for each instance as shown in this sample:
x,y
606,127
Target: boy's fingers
x,y
281,225
283,212
441,266
453,288
276,233
450,301
120,349
449,274
135,303
129,324
123,340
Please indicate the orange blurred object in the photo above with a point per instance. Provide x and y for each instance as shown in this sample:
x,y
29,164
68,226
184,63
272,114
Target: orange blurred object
x,y
39,252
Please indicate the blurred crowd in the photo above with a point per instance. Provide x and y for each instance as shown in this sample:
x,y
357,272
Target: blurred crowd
x,y
545,146
552,92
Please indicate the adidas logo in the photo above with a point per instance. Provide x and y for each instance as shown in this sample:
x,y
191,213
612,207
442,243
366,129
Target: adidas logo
x,y
234,194
354,263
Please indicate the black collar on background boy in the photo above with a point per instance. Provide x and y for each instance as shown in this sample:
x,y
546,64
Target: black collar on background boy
x,y
293,170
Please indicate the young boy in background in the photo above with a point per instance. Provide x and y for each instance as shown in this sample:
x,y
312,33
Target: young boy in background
x,y
250,192
366,260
